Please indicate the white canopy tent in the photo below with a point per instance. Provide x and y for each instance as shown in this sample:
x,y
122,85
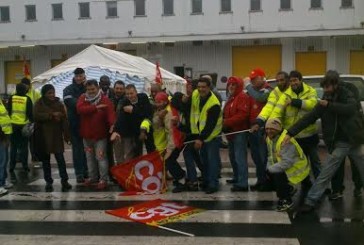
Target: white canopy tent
x,y
98,61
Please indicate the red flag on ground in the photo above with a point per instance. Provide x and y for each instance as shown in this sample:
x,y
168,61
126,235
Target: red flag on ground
x,y
158,75
143,174
156,213
26,70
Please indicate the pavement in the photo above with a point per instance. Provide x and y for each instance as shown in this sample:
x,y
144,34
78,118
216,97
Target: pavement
x,y
29,215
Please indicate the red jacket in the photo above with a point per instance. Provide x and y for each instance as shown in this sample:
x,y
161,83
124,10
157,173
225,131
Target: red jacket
x,y
236,110
95,123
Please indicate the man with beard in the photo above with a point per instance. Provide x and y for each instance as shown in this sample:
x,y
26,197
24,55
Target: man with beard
x,y
282,79
343,132
298,100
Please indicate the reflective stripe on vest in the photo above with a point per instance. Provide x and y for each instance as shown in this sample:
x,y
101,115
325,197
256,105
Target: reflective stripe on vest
x,y
300,169
5,121
198,118
18,112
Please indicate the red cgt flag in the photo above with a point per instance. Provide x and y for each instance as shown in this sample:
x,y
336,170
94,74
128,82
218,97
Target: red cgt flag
x,y
144,174
158,76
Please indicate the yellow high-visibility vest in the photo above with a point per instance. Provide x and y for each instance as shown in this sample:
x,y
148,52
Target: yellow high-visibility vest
x,y
273,98
33,95
19,108
198,118
300,169
289,115
5,121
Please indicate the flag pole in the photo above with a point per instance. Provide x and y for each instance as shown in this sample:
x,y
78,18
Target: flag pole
x,y
220,135
175,231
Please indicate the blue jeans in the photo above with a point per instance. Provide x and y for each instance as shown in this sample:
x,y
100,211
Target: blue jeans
x,y
258,148
97,162
210,156
79,157
192,159
238,159
331,165
4,158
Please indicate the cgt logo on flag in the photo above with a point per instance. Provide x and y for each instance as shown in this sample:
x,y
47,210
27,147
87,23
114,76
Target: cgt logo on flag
x,y
156,213
143,174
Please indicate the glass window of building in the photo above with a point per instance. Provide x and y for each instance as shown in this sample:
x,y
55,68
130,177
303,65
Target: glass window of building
x,y
196,6
168,7
30,13
84,10
316,4
285,4
255,5
346,3
57,11
112,8
225,5
139,7
4,13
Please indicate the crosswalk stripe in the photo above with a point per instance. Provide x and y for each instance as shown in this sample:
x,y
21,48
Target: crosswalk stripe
x,y
208,216
137,240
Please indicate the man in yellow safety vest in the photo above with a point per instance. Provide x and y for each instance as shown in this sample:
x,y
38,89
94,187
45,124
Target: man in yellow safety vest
x,y
287,164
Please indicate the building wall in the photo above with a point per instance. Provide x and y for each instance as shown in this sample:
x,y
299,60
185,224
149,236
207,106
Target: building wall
x,y
98,28
211,57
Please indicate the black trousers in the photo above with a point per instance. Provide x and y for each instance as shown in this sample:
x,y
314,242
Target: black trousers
x,y
281,186
173,166
46,164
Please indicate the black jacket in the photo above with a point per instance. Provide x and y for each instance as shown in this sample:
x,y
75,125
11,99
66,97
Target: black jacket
x,y
128,124
70,96
343,116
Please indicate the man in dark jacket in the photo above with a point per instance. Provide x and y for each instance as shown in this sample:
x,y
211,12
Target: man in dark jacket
x,y
70,96
343,132
134,109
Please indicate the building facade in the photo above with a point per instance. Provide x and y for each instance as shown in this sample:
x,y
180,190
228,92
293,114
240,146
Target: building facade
x,y
188,37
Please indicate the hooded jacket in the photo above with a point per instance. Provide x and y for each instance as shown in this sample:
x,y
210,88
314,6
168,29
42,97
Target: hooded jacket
x,y
237,108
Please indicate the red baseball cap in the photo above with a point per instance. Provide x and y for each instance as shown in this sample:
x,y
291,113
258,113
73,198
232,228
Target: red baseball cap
x,y
161,96
257,72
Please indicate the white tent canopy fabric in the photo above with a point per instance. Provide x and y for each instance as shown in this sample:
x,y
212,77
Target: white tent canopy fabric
x,y
98,61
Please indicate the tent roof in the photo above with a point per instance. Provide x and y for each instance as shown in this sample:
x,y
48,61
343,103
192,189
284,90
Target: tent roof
x,y
114,61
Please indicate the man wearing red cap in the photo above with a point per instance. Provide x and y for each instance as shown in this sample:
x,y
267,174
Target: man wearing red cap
x,y
236,118
258,91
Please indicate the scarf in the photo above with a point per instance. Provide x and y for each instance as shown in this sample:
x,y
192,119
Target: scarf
x,y
94,100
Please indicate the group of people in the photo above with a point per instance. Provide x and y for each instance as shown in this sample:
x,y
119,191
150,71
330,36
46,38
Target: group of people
x,y
108,125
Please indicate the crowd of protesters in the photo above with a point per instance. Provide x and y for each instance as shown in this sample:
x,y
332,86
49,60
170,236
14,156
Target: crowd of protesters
x,y
108,126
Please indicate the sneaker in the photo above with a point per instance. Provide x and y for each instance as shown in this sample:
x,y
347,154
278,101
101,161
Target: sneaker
x,y
230,181
284,205
80,180
239,189
101,185
66,186
192,186
357,192
336,195
179,187
49,187
8,185
3,191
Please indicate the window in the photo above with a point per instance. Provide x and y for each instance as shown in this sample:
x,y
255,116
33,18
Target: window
x,y
346,3
225,5
139,7
30,13
5,14
285,4
168,7
196,6
316,4
255,5
84,10
112,9
57,11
